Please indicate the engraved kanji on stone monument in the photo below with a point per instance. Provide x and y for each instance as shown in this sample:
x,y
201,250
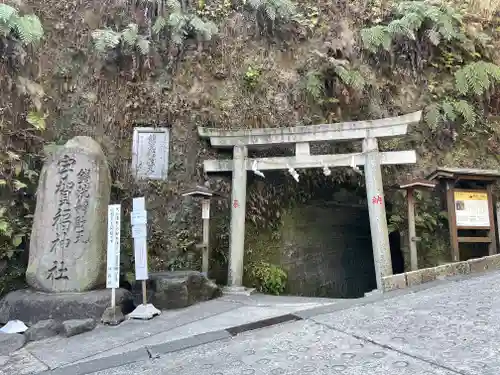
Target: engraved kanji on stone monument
x,y
68,240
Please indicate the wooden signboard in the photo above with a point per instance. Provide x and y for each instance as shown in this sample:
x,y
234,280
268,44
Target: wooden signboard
x,y
469,202
471,209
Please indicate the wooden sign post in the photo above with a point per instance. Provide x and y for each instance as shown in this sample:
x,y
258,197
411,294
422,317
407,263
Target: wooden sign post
x,y
410,187
139,233
206,194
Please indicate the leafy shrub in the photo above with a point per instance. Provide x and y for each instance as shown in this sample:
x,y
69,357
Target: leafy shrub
x,y
20,145
269,278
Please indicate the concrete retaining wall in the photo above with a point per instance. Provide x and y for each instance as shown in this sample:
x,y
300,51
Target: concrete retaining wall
x,y
408,279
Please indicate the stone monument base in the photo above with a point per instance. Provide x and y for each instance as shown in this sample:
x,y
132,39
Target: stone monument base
x,y
31,306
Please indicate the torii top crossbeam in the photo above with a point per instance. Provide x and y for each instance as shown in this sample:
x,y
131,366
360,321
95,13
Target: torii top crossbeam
x,y
386,127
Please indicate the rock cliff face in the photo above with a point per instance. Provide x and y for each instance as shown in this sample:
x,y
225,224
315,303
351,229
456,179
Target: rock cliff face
x,y
313,68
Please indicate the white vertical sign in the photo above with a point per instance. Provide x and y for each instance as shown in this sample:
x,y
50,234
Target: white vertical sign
x,y
113,249
205,209
139,233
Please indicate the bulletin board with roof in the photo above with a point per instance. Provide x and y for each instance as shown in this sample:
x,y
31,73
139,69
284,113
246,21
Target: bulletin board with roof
x,y
469,202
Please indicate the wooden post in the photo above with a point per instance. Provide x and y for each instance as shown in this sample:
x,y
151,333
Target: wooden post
x,y
492,247
205,214
144,295
411,229
452,221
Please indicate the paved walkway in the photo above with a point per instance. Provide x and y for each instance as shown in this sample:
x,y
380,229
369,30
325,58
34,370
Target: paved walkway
x,y
170,326
452,328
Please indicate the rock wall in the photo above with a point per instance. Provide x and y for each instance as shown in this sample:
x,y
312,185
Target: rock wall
x,y
324,247
327,251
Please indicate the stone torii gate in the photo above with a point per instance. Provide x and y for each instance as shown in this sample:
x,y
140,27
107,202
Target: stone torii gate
x,y
370,158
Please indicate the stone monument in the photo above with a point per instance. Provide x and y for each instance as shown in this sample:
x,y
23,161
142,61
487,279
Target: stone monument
x,y
68,240
67,258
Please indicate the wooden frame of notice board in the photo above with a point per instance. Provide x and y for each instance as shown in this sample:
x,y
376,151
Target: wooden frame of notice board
x,y
469,203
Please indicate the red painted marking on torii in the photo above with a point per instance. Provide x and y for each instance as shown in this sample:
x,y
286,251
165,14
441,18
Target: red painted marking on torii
x,y
236,204
377,199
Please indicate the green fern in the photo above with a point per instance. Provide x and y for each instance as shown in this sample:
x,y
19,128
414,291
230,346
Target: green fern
x,y
476,78
313,85
350,77
274,9
433,116
204,29
173,22
450,110
106,39
130,34
27,28
375,37
412,16
180,24
467,111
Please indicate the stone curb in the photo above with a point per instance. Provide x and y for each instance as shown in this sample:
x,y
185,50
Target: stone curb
x,y
426,275
154,351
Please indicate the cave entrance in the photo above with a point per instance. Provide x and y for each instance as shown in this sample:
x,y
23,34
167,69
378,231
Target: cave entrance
x,y
322,238
328,251
301,136
323,241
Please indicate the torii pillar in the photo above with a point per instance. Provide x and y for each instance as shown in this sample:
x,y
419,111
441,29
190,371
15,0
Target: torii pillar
x,y
238,212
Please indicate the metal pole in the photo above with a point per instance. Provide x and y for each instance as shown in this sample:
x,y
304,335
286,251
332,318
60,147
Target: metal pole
x,y
238,204
412,233
376,209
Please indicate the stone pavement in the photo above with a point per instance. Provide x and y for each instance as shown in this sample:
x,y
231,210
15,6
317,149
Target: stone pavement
x,y
132,335
450,328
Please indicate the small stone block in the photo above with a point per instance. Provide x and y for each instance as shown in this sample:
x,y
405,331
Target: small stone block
x,y
43,329
461,268
112,316
413,278
443,271
493,262
10,342
394,282
428,275
76,326
144,312
478,265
